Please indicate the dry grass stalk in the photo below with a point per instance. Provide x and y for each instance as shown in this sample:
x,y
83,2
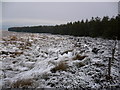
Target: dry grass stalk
x,y
25,46
80,64
13,38
24,83
79,57
62,66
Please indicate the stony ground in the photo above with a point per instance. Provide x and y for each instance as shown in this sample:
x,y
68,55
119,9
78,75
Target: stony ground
x,y
57,61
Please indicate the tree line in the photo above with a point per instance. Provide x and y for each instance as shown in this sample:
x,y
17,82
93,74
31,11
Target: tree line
x,y
95,27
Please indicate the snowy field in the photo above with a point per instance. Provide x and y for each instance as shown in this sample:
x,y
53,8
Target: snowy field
x,y
57,61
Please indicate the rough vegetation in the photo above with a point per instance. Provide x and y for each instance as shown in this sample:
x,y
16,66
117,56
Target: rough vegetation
x,y
57,61
78,57
24,83
62,66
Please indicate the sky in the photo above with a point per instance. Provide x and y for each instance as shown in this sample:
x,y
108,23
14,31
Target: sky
x,y
52,13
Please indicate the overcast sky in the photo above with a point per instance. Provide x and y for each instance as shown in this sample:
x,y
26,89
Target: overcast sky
x,y
52,13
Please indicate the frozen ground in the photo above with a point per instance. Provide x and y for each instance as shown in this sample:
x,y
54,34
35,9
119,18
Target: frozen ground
x,y
56,61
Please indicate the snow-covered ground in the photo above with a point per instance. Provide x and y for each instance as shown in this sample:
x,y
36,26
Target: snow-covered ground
x,y
56,61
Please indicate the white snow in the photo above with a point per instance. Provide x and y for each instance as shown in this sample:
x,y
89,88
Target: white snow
x,y
47,51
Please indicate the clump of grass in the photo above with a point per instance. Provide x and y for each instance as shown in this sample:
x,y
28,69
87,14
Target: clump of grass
x,y
32,35
13,38
79,57
80,64
62,66
99,64
3,39
45,76
18,53
12,54
28,43
23,83
22,47
25,45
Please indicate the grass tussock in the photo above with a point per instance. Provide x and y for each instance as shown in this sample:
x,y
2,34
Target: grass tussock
x,y
32,35
62,66
14,54
25,45
18,53
99,64
11,53
23,83
28,43
3,39
13,38
80,64
79,57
